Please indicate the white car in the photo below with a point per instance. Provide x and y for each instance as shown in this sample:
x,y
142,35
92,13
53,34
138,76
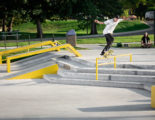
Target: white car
x,y
149,15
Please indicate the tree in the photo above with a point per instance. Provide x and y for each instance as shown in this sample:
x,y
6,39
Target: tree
x,y
138,7
9,10
38,11
140,10
88,10
151,5
132,4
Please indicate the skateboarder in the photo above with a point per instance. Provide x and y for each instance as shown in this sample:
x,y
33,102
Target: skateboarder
x,y
108,31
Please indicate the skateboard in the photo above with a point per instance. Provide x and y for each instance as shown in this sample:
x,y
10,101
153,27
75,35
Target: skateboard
x,y
108,53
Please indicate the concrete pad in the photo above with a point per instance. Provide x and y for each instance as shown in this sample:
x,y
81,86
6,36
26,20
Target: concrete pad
x,y
38,100
140,55
66,102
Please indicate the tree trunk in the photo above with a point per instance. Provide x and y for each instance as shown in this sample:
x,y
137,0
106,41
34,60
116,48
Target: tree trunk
x,y
3,24
10,24
93,28
39,29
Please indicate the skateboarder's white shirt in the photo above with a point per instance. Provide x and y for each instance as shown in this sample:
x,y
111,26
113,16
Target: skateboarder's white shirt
x,y
110,26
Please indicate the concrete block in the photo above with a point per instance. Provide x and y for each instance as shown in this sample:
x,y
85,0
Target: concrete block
x,y
71,39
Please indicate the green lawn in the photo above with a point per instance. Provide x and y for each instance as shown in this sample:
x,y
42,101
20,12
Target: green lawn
x,y
11,44
122,39
60,28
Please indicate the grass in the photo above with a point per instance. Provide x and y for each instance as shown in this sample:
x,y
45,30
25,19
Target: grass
x,y
122,39
102,40
60,28
129,46
11,44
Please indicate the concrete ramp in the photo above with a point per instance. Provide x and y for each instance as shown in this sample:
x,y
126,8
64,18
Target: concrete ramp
x,y
35,67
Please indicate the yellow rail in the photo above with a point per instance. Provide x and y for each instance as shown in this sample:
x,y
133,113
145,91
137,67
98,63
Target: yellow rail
x,y
28,47
114,62
67,46
153,96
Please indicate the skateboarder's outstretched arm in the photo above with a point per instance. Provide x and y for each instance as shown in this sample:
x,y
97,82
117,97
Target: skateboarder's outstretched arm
x,y
129,18
124,18
99,22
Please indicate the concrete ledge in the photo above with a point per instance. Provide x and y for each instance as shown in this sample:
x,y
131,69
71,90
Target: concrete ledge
x,y
118,71
113,77
83,82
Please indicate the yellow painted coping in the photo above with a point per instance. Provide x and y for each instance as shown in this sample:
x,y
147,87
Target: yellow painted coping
x,y
38,73
153,96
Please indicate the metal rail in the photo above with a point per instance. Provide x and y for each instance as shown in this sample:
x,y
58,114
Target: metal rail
x,y
28,47
67,46
114,61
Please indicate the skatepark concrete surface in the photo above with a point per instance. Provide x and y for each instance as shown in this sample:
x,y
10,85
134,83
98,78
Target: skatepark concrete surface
x,y
39,100
66,102
140,55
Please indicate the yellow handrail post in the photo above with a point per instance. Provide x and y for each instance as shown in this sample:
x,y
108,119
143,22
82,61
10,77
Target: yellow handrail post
x,y
153,96
8,65
130,57
0,59
96,68
114,61
73,50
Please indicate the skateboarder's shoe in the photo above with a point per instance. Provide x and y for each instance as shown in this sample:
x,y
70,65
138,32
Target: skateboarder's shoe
x,y
102,53
108,53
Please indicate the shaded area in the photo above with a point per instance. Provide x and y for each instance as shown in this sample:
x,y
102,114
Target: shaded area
x,y
139,107
141,92
144,117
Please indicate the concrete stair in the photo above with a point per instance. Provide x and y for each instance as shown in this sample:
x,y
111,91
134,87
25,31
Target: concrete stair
x,y
112,77
74,81
125,75
105,80
130,71
75,71
40,61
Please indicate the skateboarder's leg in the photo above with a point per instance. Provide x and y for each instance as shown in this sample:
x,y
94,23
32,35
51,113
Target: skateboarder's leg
x,y
109,40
